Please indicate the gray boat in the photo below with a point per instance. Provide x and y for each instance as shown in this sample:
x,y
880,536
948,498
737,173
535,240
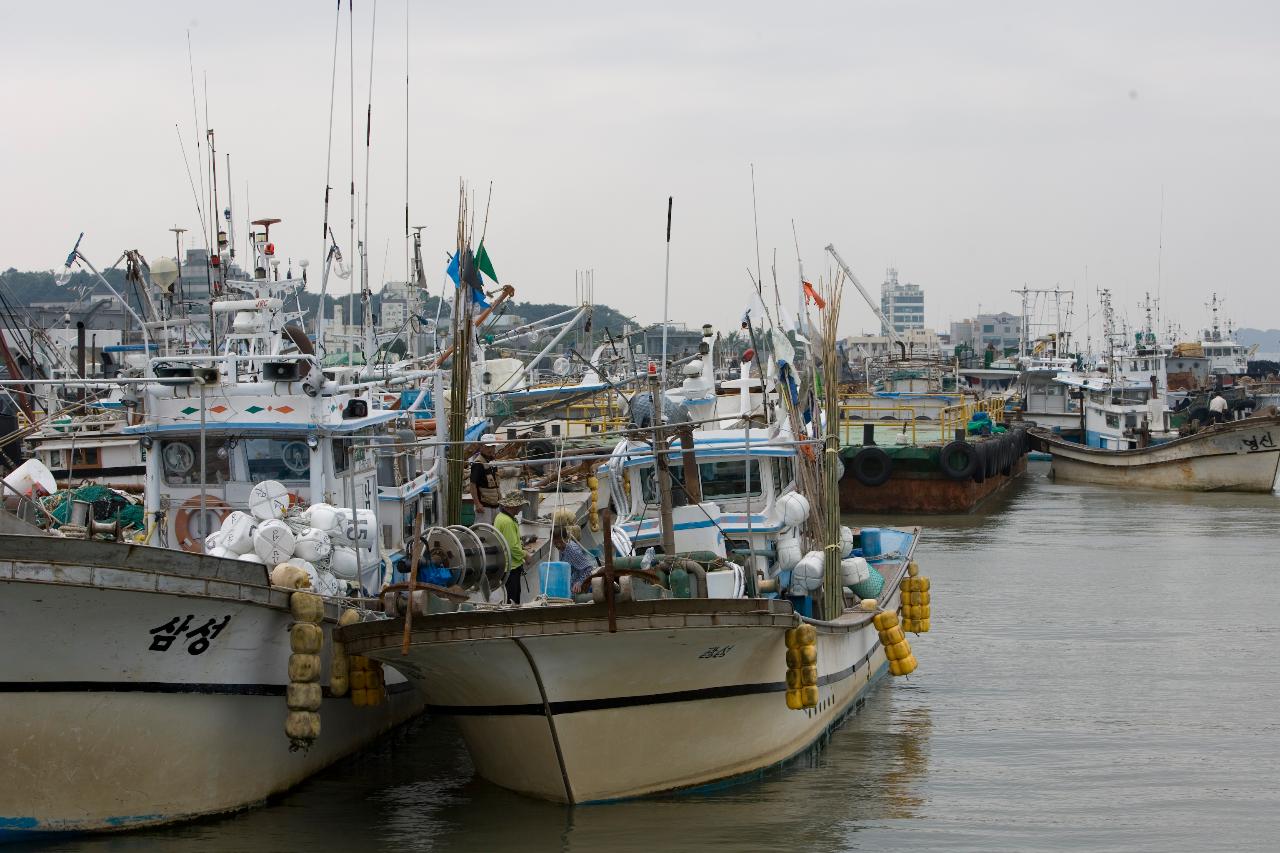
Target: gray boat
x,y
1238,456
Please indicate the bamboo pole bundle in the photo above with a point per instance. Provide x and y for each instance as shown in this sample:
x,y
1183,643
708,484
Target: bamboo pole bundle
x,y
832,595
460,380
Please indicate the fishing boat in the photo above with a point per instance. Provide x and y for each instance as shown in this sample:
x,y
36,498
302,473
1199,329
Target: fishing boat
x,y
145,686
625,691
1236,456
145,681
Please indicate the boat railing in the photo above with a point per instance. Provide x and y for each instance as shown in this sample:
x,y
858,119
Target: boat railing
x,y
596,416
853,416
957,417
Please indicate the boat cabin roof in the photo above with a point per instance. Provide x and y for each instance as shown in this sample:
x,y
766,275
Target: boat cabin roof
x,y
708,444
1101,383
351,425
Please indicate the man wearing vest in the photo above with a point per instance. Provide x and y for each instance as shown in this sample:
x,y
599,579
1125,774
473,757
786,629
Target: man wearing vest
x,y
485,492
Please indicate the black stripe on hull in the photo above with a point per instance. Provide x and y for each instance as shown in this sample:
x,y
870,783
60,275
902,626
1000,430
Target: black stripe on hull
x,y
163,687
579,705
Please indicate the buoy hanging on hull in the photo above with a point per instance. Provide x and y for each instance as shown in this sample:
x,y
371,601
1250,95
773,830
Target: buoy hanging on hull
x,y
896,647
915,601
802,667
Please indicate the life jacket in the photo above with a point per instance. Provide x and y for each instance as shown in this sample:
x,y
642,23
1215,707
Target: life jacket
x,y
490,493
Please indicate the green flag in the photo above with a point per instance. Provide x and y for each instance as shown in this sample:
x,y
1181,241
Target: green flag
x,y
485,265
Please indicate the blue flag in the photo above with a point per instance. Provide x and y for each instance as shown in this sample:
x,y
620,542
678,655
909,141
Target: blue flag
x,y
454,272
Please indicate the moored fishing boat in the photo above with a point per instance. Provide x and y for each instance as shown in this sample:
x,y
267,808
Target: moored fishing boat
x,y
684,693
144,686
1237,456
720,653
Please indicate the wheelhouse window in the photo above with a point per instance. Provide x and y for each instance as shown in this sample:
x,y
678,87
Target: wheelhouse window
x,y
721,480
181,460
350,453
278,458
85,457
730,478
786,473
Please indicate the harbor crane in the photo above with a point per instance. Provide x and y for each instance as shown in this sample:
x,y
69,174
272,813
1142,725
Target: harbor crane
x,y
884,321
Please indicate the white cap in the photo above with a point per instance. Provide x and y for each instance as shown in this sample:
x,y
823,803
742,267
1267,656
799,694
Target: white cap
x,y
488,438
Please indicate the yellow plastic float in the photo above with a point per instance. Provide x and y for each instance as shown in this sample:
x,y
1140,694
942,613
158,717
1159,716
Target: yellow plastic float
x,y
896,647
802,667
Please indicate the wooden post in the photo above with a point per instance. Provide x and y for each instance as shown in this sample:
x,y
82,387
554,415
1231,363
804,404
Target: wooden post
x,y
689,461
606,519
661,466
413,579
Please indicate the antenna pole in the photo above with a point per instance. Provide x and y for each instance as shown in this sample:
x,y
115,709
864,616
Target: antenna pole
x,y
658,407
408,251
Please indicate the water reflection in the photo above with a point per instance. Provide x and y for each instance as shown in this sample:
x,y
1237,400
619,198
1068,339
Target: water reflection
x,y
416,792
1083,687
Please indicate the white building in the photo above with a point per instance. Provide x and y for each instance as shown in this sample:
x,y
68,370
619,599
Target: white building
x,y
920,342
901,304
1001,332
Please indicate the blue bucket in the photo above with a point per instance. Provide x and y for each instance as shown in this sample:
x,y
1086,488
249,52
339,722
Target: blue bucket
x,y
871,542
553,579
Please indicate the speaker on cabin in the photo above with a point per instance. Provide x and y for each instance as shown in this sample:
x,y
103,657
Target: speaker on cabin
x,y
356,409
281,371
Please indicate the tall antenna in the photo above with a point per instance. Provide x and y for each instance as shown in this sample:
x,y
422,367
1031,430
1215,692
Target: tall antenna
x,y
658,406
326,234
228,215
408,251
755,219
351,85
366,313
1160,257
195,133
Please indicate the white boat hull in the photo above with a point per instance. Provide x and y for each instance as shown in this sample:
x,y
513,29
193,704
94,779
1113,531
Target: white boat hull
x,y
101,730
1240,456
685,694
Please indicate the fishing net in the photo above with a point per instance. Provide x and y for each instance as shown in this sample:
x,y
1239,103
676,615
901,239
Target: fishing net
x,y
870,588
105,505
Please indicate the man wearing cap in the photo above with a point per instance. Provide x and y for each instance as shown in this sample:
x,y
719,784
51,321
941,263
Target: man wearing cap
x,y
509,526
485,492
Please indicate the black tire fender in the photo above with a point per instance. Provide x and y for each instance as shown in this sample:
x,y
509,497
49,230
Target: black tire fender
x,y
872,466
958,460
980,451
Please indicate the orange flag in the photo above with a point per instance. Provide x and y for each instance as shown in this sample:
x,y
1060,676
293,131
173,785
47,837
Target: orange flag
x,y
811,295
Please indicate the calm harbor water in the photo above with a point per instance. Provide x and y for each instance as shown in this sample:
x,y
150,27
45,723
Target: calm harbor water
x,y
1102,675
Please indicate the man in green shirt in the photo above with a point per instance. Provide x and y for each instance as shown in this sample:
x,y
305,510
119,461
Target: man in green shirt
x,y
509,526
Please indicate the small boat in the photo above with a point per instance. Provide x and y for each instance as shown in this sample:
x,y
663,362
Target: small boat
x,y
1237,456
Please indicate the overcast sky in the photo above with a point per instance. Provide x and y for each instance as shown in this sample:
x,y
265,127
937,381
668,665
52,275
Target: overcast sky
x,y
977,147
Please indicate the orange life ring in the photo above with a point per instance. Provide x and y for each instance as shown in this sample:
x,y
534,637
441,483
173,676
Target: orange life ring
x,y
182,520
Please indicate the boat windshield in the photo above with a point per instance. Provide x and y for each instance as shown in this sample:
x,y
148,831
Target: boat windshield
x,y
721,479
182,461
278,459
